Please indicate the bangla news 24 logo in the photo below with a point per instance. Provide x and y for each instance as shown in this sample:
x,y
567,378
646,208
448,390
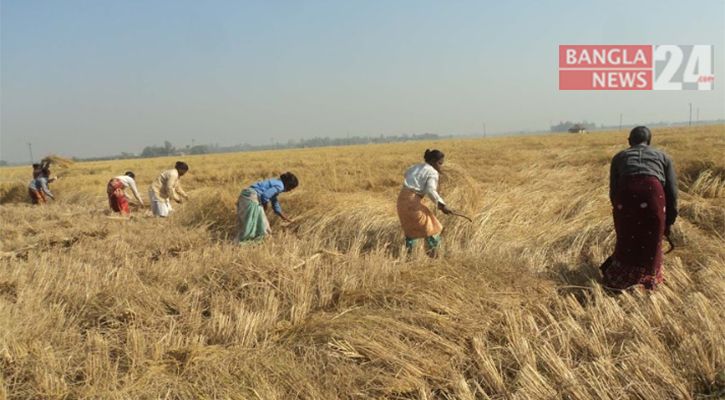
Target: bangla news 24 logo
x,y
658,67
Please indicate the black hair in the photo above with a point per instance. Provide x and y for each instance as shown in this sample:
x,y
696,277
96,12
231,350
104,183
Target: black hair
x,y
290,180
131,174
36,166
45,172
433,156
181,166
640,134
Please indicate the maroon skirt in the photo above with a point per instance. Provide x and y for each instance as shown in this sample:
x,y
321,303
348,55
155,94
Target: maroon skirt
x,y
639,219
116,197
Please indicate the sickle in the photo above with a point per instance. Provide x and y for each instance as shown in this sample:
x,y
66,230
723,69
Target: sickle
x,y
462,216
672,244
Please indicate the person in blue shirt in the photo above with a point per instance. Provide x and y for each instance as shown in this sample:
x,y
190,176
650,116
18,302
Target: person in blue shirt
x,y
38,187
252,222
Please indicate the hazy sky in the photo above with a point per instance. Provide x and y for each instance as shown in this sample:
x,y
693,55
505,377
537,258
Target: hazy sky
x,y
94,78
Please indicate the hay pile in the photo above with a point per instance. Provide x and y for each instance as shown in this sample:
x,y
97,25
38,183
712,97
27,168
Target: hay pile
x,y
13,192
210,209
57,161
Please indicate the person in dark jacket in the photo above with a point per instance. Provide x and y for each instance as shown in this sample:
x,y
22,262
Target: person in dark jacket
x,y
643,192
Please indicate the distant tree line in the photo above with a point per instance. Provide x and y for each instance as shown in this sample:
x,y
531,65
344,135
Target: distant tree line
x,y
563,126
168,149
661,124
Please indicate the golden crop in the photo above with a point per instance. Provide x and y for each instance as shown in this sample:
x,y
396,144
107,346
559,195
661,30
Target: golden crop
x,y
94,306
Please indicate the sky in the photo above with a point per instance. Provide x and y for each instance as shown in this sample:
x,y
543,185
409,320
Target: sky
x,y
90,78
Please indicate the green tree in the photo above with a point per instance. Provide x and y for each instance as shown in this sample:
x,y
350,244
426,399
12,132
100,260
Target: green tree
x,y
169,148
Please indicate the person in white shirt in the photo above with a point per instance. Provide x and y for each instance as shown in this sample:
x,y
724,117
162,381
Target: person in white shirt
x,y
117,195
418,221
165,187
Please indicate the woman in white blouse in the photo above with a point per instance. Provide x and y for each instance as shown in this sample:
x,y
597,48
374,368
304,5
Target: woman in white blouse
x,y
418,220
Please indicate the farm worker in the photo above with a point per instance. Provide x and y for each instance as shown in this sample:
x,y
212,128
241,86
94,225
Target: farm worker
x,y
166,187
38,169
417,220
117,195
38,187
643,192
252,222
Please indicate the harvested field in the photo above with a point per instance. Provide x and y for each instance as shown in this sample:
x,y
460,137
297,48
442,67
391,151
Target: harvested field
x,y
98,307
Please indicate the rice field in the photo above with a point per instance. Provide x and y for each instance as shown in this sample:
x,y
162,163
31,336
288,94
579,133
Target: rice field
x,y
96,306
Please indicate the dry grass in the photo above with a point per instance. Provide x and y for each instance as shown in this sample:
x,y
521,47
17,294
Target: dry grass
x,y
93,306
57,161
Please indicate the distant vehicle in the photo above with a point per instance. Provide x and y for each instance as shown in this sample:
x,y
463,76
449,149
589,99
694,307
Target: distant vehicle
x,y
577,129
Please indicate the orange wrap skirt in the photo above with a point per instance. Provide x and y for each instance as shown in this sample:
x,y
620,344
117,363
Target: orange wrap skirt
x,y
418,221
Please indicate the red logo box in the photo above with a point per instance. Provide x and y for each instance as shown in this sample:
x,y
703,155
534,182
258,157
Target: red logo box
x,y
603,67
605,57
603,79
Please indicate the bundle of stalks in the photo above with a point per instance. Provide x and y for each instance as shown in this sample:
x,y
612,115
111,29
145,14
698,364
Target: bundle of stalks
x,y
212,209
58,161
708,184
13,192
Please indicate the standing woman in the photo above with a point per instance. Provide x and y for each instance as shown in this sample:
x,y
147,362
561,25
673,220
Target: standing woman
x,y
252,222
417,220
643,192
